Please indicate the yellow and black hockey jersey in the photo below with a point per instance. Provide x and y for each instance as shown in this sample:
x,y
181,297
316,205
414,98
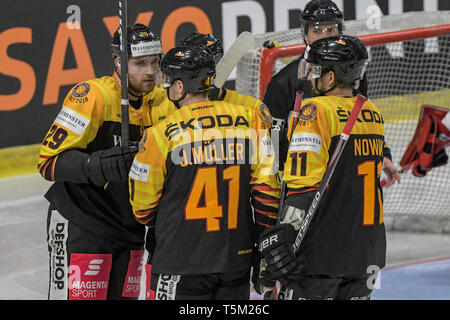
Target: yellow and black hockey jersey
x,y
160,105
347,233
90,120
237,98
198,174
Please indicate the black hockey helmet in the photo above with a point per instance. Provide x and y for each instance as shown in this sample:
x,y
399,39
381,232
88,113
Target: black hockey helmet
x,y
345,55
320,12
141,42
204,39
194,66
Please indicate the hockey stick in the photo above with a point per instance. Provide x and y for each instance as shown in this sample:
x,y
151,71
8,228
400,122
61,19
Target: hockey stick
x,y
329,172
231,58
295,115
326,179
123,20
272,294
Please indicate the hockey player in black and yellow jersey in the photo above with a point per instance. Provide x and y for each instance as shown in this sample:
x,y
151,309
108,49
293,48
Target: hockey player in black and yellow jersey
x,y
214,45
319,19
345,242
95,244
194,182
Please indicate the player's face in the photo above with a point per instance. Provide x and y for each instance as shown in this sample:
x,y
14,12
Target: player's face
x,y
320,31
143,73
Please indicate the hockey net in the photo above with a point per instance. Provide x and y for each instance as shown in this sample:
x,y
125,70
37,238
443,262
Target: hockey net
x,y
409,66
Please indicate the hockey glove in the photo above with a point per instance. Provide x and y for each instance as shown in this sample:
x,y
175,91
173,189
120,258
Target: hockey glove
x,y
110,165
261,279
275,244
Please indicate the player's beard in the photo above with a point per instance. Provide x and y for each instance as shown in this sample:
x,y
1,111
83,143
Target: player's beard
x,y
143,85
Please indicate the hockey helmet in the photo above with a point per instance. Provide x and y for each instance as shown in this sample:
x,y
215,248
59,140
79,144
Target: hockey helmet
x,y
141,42
194,66
345,55
320,12
204,39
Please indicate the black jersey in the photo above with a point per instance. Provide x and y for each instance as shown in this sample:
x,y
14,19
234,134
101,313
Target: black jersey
x,y
204,182
347,233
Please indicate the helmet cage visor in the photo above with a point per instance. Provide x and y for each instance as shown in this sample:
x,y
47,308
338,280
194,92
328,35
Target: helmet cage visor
x,y
167,80
306,68
362,70
325,27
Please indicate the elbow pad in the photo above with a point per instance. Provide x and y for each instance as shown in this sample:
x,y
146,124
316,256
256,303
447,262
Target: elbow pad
x,y
71,166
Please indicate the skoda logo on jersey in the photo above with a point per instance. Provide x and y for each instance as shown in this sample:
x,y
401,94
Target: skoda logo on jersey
x,y
206,122
81,90
308,111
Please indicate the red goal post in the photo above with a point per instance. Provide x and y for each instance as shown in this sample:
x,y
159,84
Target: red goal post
x,y
269,56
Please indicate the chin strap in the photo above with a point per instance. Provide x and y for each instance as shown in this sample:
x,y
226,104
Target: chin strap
x,y
322,93
136,96
176,102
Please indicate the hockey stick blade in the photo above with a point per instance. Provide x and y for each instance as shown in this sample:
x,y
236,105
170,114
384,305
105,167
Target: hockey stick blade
x,y
231,58
330,169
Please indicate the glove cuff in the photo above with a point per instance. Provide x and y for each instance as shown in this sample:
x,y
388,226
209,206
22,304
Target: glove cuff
x,y
94,169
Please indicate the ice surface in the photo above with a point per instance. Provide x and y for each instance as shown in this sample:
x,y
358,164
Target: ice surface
x,y
24,256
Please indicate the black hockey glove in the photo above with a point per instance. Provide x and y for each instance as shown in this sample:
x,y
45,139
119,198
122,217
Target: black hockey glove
x,y
275,244
261,279
110,165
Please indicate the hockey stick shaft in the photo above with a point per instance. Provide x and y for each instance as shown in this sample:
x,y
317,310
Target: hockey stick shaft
x,y
330,169
123,19
295,115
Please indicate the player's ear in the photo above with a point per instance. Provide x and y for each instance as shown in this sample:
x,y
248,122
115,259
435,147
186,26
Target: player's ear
x,y
178,87
330,77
